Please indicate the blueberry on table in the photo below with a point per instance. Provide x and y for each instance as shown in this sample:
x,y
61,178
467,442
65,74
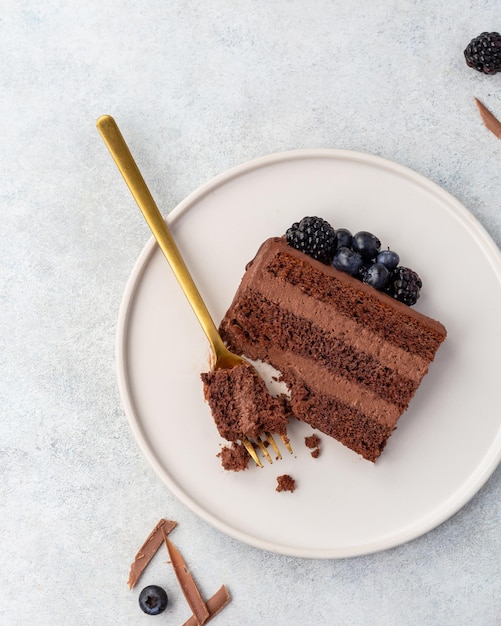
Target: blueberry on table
x,y
388,258
366,244
348,261
153,600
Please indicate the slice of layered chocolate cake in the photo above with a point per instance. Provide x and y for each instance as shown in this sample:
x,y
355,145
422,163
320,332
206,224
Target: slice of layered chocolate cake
x,y
351,356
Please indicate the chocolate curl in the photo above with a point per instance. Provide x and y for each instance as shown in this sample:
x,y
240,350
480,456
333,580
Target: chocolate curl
x,y
148,549
489,120
215,604
188,585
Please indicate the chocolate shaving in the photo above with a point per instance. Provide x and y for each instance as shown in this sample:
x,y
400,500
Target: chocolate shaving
x,y
215,604
188,585
202,611
489,120
148,549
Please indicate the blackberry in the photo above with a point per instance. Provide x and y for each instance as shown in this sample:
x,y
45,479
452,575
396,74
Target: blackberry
x,y
404,285
313,236
484,53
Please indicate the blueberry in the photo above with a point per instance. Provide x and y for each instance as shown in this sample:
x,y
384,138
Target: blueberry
x,y
364,268
388,258
347,261
377,276
343,238
366,244
153,600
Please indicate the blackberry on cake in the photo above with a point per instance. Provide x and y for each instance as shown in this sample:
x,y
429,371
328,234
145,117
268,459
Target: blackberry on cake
x,y
483,53
405,285
313,236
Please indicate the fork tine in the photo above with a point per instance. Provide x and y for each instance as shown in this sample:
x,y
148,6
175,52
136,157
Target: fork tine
x,y
287,443
264,450
250,449
262,446
273,444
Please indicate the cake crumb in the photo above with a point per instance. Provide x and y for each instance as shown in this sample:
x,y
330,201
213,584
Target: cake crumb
x,y
313,442
234,458
285,483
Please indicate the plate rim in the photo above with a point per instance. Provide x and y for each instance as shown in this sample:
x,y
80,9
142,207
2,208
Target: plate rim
x,y
476,480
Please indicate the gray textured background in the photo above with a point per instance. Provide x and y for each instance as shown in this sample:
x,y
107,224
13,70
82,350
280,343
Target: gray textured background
x,y
198,87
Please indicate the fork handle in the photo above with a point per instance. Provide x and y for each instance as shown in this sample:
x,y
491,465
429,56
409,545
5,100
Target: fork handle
x,y
123,158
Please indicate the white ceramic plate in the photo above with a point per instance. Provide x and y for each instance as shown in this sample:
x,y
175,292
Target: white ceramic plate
x,y
447,444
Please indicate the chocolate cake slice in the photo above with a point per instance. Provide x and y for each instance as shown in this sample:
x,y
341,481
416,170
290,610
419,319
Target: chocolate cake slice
x,y
351,356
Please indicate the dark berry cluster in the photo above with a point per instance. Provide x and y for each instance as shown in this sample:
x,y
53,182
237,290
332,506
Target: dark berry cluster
x,y
484,53
359,255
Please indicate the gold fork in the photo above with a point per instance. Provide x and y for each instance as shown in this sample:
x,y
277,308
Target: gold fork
x,y
222,357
